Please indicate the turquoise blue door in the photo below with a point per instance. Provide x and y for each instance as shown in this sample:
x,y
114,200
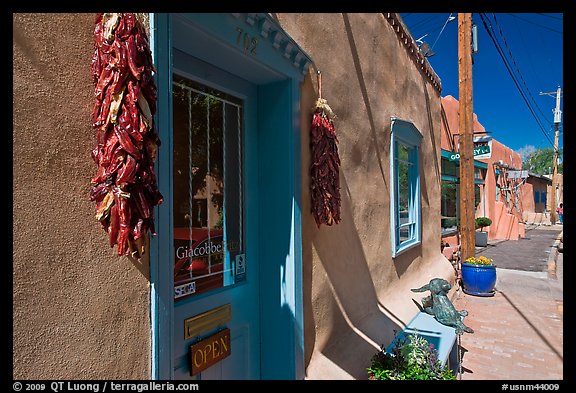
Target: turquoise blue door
x,y
216,259
226,263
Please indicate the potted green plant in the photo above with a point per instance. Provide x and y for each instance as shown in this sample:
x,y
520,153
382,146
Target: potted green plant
x,y
478,276
412,358
482,237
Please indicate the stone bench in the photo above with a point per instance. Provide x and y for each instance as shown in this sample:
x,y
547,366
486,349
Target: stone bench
x,y
442,337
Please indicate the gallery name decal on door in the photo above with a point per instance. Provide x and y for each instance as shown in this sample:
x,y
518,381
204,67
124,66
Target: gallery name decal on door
x,y
209,351
206,248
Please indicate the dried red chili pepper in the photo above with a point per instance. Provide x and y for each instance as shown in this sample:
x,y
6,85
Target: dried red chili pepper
x,y
114,225
124,187
325,164
132,57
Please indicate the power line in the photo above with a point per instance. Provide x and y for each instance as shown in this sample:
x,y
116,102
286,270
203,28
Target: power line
x,y
534,74
500,52
424,24
450,18
537,24
552,16
423,21
516,65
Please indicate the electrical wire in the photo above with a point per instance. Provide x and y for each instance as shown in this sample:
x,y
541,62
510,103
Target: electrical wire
x,y
536,24
443,27
500,52
551,16
423,25
534,74
516,65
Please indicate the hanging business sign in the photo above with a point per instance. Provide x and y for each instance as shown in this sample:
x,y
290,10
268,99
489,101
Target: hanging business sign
x,y
209,351
517,174
479,152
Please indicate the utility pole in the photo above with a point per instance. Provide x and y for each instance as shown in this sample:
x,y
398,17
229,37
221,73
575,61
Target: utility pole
x,y
466,140
557,117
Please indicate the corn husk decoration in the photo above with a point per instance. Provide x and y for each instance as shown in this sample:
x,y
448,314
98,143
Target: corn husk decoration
x,y
325,163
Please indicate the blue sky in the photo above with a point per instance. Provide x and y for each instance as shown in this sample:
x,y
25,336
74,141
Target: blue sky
x,y
532,45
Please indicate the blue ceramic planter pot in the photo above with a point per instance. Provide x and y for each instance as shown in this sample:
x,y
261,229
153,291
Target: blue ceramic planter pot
x,y
478,280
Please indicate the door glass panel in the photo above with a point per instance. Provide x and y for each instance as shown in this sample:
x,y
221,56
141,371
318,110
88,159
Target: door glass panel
x,y
208,197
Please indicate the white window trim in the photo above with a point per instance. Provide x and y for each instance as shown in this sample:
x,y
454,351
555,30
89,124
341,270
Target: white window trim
x,y
406,133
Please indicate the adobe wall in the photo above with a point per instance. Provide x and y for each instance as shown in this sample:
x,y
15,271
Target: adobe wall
x,y
79,310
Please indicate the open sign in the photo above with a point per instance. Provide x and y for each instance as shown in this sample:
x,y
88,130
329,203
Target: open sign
x,y
209,351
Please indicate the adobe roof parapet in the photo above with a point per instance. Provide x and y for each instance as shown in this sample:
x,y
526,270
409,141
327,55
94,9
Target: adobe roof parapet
x,y
408,41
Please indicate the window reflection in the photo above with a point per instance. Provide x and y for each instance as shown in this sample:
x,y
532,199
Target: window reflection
x,y
207,187
406,219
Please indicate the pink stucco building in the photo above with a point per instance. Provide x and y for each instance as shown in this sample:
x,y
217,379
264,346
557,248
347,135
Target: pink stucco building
x,y
498,180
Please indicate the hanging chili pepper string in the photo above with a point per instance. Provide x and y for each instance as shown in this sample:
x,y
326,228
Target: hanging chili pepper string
x,y
124,187
325,163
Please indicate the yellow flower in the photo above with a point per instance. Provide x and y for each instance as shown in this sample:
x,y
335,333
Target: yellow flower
x,y
481,260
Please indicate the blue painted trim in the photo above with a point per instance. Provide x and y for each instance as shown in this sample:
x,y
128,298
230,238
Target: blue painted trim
x,y
161,279
299,354
280,236
453,179
262,28
408,132
405,132
393,194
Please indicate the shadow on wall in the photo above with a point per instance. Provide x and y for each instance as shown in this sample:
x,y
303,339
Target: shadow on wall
x,y
343,317
352,338
349,287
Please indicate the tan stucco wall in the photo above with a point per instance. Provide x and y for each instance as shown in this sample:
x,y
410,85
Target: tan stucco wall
x,y
355,294
79,311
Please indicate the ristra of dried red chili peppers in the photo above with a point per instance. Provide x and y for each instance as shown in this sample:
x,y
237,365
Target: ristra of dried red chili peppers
x,y
325,164
124,187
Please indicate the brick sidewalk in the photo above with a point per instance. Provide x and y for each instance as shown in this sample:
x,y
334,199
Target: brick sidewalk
x,y
518,333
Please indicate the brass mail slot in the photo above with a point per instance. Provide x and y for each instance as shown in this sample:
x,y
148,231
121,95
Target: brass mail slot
x,y
207,321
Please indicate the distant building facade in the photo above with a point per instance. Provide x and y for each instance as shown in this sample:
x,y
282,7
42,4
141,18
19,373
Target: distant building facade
x,y
498,178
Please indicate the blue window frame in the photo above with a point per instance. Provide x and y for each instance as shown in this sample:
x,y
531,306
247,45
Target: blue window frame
x,y
536,197
405,202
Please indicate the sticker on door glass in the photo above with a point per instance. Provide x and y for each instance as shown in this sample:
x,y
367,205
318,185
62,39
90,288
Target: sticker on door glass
x,y
240,267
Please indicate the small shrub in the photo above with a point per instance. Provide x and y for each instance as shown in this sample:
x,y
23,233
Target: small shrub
x,y
412,358
482,222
